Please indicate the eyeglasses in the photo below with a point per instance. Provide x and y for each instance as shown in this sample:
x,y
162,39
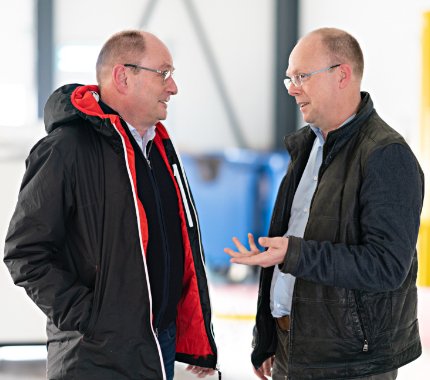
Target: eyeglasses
x,y
298,79
166,74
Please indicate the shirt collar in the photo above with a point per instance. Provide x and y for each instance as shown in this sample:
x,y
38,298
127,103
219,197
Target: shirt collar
x,y
319,134
148,135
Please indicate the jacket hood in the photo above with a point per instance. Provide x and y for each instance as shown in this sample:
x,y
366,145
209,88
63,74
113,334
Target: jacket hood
x,y
72,102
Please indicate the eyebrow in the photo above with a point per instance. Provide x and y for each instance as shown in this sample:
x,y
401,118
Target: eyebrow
x,y
167,66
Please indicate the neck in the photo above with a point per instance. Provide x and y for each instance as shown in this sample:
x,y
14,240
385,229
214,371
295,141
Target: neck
x,y
126,116
141,130
346,111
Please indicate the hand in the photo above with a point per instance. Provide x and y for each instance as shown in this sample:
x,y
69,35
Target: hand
x,y
265,369
275,254
200,372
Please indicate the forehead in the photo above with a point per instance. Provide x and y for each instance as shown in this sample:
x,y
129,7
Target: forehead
x,y
156,53
308,55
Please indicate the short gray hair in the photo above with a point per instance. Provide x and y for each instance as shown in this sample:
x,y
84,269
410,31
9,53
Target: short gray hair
x,y
123,47
341,47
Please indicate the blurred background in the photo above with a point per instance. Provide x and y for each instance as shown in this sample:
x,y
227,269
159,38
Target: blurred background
x,y
228,120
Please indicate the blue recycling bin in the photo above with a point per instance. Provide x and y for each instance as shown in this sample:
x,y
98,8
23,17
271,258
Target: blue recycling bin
x,y
234,192
274,167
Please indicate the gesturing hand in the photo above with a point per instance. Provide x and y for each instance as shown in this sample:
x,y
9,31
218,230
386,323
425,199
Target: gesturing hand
x,y
275,254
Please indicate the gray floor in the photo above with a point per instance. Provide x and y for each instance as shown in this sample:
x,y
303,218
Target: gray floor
x,y
233,334
34,370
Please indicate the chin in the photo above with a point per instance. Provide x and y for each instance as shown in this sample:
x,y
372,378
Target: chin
x,y
307,119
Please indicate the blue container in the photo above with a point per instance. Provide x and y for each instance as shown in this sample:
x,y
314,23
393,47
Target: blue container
x,y
274,167
234,192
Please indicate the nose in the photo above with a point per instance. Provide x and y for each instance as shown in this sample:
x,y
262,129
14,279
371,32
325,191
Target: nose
x,y
294,90
171,88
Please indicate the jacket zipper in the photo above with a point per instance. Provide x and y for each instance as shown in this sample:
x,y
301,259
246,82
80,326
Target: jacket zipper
x,y
154,331
365,343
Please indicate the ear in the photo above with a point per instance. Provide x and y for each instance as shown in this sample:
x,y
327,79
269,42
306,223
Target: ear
x,y
120,78
345,75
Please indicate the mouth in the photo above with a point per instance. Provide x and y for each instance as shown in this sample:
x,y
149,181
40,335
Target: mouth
x,y
302,104
164,102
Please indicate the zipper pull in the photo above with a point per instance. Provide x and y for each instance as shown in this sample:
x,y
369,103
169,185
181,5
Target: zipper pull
x,y
148,151
365,346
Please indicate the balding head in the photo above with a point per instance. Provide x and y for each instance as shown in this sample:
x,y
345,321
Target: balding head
x,y
329,64
124,47
341,47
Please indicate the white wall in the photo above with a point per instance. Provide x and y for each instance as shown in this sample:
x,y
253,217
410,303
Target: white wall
x,y
241,37
389,32
17,63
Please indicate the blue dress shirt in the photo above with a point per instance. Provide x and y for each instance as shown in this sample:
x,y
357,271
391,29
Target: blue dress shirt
x,y
281,291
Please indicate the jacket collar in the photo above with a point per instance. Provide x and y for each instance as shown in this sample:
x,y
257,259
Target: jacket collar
x,y
300,142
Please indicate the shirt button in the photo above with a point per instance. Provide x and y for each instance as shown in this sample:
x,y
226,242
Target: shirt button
x,y
315,178
306,210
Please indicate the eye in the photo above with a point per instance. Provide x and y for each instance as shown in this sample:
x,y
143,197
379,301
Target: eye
x,y
302,76
167,74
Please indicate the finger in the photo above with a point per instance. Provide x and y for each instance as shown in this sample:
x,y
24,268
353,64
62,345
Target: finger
x,y
234,254
230,252
265,242
252,245
239,245
205,372
259,373
274,242
267,367
195,369
263,259
245,260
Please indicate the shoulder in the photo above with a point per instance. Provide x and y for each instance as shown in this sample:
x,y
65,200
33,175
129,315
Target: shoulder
x,y
67,141
377,133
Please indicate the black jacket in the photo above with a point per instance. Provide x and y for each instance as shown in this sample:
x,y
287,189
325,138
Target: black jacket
x,y
354,309
77,244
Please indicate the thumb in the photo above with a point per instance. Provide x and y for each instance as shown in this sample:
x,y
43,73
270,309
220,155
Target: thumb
x,y
264,241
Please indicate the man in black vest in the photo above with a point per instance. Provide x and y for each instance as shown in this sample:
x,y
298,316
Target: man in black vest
x,y
105,237
337,297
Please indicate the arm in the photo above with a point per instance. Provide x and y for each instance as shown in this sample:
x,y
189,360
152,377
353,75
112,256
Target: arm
x,y
34,248
391,201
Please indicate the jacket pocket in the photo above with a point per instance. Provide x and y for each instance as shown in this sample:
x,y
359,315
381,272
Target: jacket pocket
x,y
359,320
95,308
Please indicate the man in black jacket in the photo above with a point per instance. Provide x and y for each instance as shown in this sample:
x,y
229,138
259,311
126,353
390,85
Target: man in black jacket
x,y
105,238
337,297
